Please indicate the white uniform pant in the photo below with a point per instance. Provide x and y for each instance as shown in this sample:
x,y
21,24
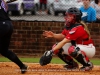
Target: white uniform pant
x,y
88,49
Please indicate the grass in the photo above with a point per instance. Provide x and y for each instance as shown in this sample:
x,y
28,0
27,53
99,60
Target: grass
x,y
36,60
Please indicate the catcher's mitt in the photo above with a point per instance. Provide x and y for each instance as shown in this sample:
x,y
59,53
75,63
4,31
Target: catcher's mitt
x,y
46,58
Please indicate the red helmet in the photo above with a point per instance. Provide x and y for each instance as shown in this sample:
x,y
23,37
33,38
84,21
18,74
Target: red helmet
x,y
72,15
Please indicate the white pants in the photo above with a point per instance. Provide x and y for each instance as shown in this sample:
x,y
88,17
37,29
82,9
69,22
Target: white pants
x,y
88,49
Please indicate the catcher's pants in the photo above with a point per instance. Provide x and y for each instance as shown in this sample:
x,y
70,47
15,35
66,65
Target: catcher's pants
x,y
88,49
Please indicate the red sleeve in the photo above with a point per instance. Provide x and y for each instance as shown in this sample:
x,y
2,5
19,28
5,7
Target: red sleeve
x,y
65,32
75,33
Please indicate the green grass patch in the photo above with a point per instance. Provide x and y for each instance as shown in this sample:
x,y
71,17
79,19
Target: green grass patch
x,y
36,60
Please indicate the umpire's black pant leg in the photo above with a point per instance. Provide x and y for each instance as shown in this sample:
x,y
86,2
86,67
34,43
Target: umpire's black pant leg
x,y
4,45
6,30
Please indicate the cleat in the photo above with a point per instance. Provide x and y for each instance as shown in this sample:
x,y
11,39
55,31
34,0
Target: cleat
x,y
71,67
87,68
24,69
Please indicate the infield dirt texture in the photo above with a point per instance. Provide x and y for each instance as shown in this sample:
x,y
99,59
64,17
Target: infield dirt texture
x,y
10,68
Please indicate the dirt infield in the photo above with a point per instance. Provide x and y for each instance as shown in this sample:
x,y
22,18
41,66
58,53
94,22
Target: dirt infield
x,y
9,68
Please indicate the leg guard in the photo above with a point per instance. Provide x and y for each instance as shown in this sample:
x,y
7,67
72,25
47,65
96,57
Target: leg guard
x,y
71,64
79,55
68,60
64,57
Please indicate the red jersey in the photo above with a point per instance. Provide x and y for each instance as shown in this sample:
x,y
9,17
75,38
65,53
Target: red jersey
x,y
43,1
78,34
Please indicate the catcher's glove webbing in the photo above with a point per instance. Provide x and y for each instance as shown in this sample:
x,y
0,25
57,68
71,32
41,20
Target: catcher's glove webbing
x,y
46,58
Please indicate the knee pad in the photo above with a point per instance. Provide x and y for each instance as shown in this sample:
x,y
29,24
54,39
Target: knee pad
x,y
73,51
79,55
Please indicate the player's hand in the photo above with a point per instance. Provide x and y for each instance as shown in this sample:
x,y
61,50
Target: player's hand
x,y
48,34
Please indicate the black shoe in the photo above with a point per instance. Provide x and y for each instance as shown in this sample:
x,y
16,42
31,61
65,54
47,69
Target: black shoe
x,y
71,67
24,69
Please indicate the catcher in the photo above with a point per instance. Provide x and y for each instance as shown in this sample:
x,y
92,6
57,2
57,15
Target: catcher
x,y
76,43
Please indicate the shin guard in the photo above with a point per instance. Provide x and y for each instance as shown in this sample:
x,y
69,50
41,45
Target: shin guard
x,y
64,57
79,55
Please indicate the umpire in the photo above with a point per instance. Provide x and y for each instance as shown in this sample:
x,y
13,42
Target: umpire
x,y
6,30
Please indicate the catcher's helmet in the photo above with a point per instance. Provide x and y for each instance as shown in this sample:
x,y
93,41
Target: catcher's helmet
x,y
76,13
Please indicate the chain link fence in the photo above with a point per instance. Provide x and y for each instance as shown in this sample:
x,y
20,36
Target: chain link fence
x,y
30,10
